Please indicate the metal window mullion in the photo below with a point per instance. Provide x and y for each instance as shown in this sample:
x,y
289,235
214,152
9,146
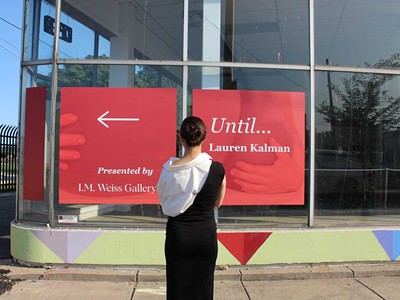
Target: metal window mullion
x,y
185,30
184,91
35,38
185,55
311,178
357,70
53,112
125,62
213,64
26,34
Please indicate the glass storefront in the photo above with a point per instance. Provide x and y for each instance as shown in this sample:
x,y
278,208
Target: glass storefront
x,y
356,130
351,94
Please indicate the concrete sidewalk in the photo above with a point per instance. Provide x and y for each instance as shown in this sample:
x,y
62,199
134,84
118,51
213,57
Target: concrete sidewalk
x,y
352,281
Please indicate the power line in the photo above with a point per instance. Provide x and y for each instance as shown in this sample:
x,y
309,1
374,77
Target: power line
x,y
5,41
9,50
8,22
9,44
2,45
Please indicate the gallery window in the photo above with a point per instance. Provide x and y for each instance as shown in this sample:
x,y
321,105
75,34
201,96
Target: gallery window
x,y
210,52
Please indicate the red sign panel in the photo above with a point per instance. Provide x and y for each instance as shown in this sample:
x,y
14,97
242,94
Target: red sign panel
x,y
113,142
35,118
259,137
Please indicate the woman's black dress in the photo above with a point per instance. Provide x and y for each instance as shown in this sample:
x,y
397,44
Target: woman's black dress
x,y
191,244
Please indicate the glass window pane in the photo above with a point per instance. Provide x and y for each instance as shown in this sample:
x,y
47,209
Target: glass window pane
x,y
39,35
249,31
357,136
79,43
104,47
247,79
136,30
158,30
110,214
82,37
357,33
83,75
35,77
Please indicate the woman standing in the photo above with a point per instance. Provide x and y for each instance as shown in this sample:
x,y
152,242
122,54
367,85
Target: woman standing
x,y
189,189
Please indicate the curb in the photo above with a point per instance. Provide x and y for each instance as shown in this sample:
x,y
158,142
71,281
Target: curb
x,y
296,273
91,275
242,274
376,270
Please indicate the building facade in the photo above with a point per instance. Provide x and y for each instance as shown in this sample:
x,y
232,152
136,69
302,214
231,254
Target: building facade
x,y
334,197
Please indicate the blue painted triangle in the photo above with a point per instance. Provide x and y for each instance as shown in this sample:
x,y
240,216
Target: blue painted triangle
x,y
396,244
390,242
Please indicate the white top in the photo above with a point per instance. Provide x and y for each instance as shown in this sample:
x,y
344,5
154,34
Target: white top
x,y
178,185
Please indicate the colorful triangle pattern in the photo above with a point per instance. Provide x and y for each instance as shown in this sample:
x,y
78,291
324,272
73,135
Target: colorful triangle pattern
x,y
390,242
67,245
243,245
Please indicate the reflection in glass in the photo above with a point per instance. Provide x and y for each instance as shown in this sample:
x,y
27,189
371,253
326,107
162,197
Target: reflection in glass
x,y
81,43
250,31
356,33
80,37
83,75
104,47
161,77
155,29
38,39
37,211
357,133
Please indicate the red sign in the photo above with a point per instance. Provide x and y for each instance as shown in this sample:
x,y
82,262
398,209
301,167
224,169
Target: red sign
x,y
35,117
259,137
113,142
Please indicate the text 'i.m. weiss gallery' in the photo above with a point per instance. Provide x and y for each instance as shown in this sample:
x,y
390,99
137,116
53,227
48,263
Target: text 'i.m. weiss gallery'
x,y
301,99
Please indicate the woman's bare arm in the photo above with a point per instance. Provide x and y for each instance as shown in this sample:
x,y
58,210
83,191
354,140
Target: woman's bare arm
x,y
221,193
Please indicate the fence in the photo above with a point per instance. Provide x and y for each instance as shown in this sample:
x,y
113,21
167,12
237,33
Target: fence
x,y
8,166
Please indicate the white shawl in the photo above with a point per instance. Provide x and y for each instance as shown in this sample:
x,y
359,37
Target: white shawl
x,y
178,185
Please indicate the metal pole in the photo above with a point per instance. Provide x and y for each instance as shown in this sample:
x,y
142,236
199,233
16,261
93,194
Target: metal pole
x,y
312,119
185,67
331,111
386,185
53,112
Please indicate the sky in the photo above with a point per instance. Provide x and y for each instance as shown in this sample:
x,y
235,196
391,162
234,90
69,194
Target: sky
x,y
10,52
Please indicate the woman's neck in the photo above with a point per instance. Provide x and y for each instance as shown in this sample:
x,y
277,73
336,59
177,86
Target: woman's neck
x,y
191,152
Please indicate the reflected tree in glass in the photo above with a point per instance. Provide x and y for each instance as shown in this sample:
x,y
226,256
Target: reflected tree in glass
x,y
84,75
365,110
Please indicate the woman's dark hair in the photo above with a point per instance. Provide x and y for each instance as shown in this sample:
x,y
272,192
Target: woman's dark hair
x,y
193,131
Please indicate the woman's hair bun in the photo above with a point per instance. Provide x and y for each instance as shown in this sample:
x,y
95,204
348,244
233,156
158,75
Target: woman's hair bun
x,y
193,131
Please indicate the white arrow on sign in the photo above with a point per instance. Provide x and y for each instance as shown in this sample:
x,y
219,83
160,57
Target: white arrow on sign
x,y
101,119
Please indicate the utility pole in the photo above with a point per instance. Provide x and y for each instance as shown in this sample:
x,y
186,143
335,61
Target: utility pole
x,y
331,110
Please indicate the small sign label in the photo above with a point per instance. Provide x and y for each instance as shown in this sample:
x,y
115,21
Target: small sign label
x,y
68,219
65,30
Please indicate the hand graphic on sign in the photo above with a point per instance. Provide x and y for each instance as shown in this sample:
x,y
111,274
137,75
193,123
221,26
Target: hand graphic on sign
x,y
68,140
283,176
259,137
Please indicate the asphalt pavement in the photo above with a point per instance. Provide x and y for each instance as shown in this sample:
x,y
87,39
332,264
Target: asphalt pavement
x,y
7,214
